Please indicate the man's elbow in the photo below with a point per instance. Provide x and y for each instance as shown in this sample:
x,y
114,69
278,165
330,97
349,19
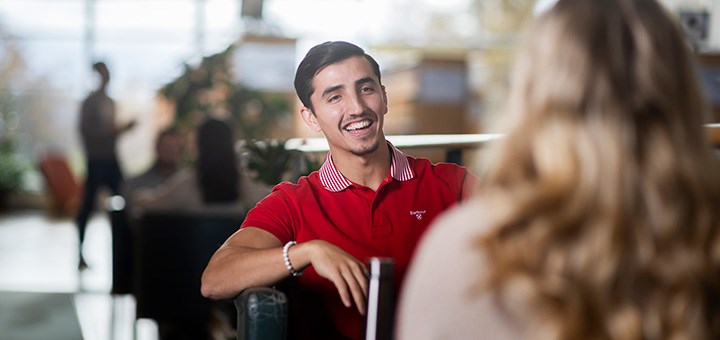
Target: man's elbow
x,y
207,290
211,289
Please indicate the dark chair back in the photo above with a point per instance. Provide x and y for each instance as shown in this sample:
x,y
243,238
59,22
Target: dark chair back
x,y
172,251
261,314
123,274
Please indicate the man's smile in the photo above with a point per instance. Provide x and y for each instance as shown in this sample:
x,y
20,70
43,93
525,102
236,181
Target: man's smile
x,y
358,125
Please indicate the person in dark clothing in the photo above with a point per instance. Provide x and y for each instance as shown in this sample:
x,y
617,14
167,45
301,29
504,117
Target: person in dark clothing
x,y
99,137
217,172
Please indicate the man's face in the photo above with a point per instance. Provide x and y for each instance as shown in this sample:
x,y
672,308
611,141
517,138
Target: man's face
x,y
349,106
103,74
169,150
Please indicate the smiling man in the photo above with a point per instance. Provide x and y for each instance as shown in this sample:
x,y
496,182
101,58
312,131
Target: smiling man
x,y
368,199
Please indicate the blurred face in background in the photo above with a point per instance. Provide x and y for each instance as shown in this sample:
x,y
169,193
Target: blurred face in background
x,y
169,150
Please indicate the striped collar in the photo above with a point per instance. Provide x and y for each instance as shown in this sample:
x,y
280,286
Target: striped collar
x,y
334,181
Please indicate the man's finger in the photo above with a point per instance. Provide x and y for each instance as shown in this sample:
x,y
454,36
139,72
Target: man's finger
x,y
362,279
342,289
355,285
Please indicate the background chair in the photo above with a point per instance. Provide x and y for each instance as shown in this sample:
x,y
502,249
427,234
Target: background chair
x,y
171,252
63,189
261,314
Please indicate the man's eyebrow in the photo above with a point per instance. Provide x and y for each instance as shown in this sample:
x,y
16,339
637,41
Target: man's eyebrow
x,y
340,86
364,81
331,89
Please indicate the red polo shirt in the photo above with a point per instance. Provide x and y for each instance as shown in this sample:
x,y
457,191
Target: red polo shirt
x,y
364,223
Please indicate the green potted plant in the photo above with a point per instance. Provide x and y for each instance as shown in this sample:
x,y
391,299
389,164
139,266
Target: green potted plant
x,y
253,113
273,163
11,172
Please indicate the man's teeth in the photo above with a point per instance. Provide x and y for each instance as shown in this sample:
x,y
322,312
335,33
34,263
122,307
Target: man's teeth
x,y
358,125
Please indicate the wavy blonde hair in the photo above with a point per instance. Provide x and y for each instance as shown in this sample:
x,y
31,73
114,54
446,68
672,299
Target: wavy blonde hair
x,y
605,189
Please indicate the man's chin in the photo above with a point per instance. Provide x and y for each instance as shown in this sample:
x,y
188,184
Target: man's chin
x,y
366,150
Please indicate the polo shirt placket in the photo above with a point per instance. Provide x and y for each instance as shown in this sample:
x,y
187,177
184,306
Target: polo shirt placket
x,y
400,170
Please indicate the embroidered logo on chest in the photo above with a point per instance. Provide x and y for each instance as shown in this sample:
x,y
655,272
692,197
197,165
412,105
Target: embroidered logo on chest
x,y
418,213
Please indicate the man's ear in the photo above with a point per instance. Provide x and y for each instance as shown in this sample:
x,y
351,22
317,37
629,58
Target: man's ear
x,y
384,96
309,117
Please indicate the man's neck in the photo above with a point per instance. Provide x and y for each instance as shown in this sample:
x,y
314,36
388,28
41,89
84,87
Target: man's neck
x,y
368,170
102,88
165,170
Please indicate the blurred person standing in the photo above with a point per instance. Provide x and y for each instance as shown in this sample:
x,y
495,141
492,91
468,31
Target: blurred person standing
x,y
599,214
99,133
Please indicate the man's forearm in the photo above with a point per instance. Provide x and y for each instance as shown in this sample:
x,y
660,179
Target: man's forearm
x,y
233,269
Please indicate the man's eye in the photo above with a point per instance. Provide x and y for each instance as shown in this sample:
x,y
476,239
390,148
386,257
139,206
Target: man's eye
x,y
367,89
334,98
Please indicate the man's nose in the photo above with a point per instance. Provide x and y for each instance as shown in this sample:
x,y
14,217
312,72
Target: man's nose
x,y
356,105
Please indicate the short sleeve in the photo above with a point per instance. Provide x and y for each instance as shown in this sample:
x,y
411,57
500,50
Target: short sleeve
x,y
275,214
458,178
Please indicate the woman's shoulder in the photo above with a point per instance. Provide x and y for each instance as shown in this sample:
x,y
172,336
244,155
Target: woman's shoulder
x,y
466,219
442,297
454,233
452,241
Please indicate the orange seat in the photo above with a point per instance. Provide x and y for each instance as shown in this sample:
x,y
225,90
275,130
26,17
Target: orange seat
x,y
62,188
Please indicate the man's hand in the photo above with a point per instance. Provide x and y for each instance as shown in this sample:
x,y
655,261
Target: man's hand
x,y
252,250
349,275
131,124
120,129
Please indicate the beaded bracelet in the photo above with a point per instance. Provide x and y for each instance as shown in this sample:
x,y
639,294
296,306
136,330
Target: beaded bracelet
x,y
286,259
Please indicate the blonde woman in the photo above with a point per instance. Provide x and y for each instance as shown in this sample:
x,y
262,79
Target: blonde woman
x,y
600,209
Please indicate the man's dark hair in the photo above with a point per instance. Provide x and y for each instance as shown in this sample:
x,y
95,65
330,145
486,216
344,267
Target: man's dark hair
x,y
216,168
99,66
102,69
318,58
